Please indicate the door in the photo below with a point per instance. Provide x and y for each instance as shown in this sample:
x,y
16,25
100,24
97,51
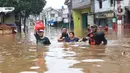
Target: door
x,y
84,20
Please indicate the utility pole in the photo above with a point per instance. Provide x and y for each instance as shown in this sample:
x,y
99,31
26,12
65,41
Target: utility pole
x,y
118,8
119,21
69,8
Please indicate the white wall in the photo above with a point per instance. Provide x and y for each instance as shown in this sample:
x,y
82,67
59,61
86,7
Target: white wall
x,y
105,6
65,11
90,20
48,15
126,2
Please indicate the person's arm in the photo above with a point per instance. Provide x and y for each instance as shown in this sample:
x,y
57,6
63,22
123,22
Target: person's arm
x,y
66,40
86,38
48,42
77,39
104,39
60,39
36,36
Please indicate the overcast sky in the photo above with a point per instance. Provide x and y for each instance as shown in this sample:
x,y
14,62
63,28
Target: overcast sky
x,y
55,3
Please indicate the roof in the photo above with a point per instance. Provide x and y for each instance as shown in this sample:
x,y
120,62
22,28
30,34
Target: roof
x,y
50,9
6,9
67,2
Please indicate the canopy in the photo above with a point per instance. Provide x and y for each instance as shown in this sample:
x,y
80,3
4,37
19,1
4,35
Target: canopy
x,y
6,9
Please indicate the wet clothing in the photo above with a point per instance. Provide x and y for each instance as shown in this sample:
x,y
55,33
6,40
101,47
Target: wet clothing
x,y
73,40
97,38
44,40
65,35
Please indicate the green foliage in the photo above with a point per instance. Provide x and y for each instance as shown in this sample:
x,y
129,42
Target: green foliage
x,y
24,7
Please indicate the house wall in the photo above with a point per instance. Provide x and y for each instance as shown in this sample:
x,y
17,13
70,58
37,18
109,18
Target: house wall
x,y
105,6
76,4
10,20
77,17
49,17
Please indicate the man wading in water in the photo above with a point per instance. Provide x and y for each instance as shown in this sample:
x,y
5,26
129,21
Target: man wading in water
x,y
40,38
63,35
95,37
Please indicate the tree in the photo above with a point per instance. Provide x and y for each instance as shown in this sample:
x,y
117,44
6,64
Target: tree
x,y
24,8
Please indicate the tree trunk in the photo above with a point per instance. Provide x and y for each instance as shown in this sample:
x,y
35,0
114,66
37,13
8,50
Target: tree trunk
x,y
18,22
24,24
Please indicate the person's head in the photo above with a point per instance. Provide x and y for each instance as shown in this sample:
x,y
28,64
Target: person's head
x,y
41,32
71,34
64,30
101,28
94,28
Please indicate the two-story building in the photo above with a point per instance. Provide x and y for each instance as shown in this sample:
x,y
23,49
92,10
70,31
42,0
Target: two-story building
x,y
107,12
80,11
51,15
103,12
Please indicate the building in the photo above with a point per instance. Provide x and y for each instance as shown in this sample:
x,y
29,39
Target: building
x,y
126,13
81,17
51,15
104,13
7,20
70,17
108,12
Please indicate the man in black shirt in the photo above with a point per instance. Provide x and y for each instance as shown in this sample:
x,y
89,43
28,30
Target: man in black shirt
x,y
40,38
63,35
95,37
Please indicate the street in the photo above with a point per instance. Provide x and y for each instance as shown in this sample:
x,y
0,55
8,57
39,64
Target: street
x,y
20,54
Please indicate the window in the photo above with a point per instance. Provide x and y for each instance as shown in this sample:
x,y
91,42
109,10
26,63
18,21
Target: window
x,y
52,15
100,3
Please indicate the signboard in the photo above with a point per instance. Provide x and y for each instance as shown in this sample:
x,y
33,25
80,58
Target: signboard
x,y
114,20
105,15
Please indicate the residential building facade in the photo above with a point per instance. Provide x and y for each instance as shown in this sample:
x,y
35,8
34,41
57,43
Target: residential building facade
x,y
81,17
107,12
51,15
103,13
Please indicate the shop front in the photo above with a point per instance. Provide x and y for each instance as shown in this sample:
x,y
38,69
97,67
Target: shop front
x,y
104,19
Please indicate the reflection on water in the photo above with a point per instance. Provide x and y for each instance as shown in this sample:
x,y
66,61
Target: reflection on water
x,y
20,54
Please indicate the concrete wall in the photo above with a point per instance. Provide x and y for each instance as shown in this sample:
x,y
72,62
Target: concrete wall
x,y
77,4
126,2
49,17
78,27
77,22
105,6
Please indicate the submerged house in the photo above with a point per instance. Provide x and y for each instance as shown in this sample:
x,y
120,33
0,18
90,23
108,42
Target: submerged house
x,y
7,20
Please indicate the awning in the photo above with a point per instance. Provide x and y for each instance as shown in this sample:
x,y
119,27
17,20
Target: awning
x,y
6,9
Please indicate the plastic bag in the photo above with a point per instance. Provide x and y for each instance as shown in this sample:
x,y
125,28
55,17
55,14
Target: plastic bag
x,y
39,25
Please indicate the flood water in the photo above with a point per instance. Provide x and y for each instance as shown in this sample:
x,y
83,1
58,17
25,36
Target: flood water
x,y
20,54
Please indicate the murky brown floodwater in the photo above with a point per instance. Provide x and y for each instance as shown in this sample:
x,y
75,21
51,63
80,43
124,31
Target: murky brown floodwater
x,y
20,54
